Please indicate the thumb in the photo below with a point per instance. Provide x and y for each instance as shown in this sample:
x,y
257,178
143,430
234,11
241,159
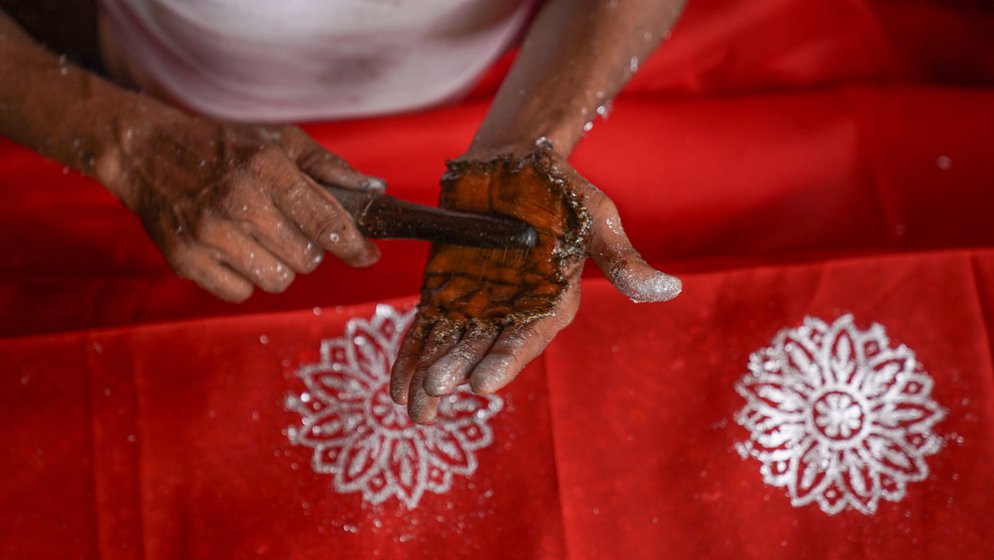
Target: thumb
x,y
623,266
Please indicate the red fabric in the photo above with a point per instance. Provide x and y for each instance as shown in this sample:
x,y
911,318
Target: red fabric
x,y
788,158
164,441
647,441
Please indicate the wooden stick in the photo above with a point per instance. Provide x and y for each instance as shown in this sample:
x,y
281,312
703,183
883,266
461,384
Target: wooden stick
x,y
385,217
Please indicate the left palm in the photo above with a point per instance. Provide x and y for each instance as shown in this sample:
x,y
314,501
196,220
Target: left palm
x,y
485,313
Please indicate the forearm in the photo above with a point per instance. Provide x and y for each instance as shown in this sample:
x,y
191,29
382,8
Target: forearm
x,y
575,58
64,112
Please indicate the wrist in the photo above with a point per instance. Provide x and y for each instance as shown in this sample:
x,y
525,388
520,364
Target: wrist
x,y
556,135
553,117
124,136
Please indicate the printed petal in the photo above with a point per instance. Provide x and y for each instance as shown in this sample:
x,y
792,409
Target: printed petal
x,y
861,483
409,470
891,488
333,351
894,458
389,324
801,359
474,435
446,449
833,498
769,428
366,351
334,385
777,396
922,443
778,467
915,385
379,487
810,474
880,377
328,455
842,365
909,415
439,479
331,426
359,461
464,406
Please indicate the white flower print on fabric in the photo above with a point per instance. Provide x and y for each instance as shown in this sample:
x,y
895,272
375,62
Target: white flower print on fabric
x,y
366,441
838,416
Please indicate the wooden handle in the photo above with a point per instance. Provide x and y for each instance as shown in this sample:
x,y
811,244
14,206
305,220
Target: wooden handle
x,y
384,217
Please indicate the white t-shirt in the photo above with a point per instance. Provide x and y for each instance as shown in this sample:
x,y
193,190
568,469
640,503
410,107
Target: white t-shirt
x,y
293,60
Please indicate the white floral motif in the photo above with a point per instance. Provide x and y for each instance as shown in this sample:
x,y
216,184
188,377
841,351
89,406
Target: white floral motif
x,y
837,416
365,440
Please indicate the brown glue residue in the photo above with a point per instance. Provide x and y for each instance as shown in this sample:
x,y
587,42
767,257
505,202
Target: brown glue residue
x,y
506,286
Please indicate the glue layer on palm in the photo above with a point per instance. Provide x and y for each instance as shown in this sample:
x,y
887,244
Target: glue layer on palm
x,y
497,287
478,305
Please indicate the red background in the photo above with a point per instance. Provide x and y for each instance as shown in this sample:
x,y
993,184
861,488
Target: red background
x,y
786,157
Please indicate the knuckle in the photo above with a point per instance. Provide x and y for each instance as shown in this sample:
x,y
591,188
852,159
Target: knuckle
x,y
294,135
206,225
266,159
606,208
332,230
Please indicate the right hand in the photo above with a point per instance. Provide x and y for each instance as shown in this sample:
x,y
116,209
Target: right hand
x,y
233,205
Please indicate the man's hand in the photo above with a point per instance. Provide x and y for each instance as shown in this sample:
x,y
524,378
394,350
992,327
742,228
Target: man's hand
x,y
232,206
486,313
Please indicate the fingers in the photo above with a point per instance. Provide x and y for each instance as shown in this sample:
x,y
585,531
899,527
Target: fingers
x,y
198,265
510,353
328,168
280,236
323,220
518,345
452,369
245,256
407,358
422,407
611,249
320,217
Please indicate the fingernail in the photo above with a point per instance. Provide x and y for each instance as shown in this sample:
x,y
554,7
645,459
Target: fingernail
x,y
495,370
371,255
419,410
374,184
660,287
439,384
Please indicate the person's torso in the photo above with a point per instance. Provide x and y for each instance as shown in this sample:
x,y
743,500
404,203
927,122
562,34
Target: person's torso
x,y
307,59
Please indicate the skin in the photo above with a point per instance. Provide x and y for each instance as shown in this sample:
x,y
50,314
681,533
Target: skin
x,y
576,56
231,206
234,206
